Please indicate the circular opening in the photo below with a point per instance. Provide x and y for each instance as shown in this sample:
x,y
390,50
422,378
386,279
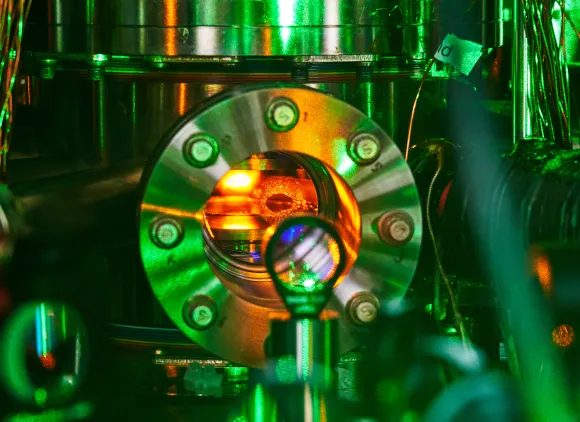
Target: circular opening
x,y
254,197
305,255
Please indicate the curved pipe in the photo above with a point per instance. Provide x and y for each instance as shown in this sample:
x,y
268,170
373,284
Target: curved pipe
x,y
102,204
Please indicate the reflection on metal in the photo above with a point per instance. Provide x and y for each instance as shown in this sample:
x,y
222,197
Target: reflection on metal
x,y
521,77
244,292
306,258
219,27
418,28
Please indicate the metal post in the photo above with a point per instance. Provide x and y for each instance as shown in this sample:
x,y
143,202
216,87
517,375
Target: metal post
x,y
521,77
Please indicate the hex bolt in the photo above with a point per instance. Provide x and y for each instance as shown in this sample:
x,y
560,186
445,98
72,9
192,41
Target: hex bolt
x,y
282,115
363,308
200,312
166,232
364,148
201,150
396,228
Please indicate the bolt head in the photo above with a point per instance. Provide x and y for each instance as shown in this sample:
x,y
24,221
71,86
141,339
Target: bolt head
x,y
366,312
400,230
166,233
364,149
363,308
396,228
201,151
200,312
202,315
282,114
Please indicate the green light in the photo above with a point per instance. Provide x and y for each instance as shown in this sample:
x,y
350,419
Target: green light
x,y
100,58
40,396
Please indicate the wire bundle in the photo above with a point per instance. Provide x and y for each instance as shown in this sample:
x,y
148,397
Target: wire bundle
x,y
13,14
549,99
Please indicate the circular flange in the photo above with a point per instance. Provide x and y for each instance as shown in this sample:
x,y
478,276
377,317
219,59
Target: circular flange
x,y
323,130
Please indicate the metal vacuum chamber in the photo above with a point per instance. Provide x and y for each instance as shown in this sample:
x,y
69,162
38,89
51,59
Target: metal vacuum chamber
x,y
108,87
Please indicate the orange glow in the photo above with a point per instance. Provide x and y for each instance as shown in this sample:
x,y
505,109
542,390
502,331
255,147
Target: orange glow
x,y
543,270
238,181
267,41
173,212
236,227
48,361
170,21
171,372
181,98
234,222
563,335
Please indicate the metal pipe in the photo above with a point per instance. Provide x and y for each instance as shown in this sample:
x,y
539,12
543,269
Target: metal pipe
x,y
98,203
521,77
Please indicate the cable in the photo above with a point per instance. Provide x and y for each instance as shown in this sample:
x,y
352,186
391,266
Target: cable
x,y
408,147
427,70
549,97
13,15
456,313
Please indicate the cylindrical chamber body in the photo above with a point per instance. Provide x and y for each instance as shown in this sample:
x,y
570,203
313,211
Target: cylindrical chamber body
x,y
133,116
216,27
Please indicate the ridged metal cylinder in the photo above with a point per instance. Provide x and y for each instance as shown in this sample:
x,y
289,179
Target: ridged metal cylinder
x,y
217,27
548,208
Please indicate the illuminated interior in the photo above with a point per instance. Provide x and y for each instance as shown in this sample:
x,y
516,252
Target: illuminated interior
x,y
252,197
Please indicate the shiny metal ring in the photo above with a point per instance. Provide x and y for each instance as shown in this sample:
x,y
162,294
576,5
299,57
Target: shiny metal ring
x,y
175,188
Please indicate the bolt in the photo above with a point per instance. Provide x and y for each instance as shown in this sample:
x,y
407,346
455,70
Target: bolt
x,y
282,115
364,148
202,316
166,232
200,312
396,228
201,151
363,308
48,68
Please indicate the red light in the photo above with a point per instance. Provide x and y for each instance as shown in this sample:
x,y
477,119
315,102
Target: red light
x,y
48,361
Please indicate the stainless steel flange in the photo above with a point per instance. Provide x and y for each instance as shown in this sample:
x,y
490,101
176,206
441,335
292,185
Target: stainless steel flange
x,y
226,309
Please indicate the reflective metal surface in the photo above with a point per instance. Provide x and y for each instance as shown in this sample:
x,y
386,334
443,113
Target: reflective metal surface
x,y
239,124
219,27
138,113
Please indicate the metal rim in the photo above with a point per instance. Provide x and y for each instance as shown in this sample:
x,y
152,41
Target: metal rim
x,y
326,287
237,122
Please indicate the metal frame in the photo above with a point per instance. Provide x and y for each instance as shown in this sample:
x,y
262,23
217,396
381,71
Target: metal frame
x,y
179,190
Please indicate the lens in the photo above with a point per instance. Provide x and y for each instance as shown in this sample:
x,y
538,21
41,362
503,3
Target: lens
x,y
305,254
44,355
253,196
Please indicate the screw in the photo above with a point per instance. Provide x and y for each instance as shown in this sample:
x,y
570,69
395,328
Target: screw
x,y
363,308
201,150
166,232
396,228
202,316
282,115
200,312
364,148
